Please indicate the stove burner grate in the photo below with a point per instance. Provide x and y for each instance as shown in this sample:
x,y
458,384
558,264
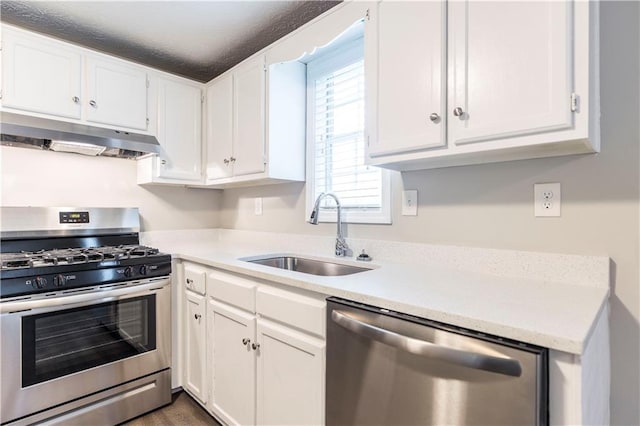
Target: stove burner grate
x,y
71,256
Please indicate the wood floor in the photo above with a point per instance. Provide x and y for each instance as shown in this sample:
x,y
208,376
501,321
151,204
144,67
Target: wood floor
x,y
182,411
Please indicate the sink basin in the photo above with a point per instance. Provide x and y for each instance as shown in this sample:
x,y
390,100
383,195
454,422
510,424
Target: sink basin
x,y
308,266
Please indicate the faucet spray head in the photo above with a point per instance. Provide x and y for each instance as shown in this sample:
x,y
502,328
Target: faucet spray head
x,y
315,213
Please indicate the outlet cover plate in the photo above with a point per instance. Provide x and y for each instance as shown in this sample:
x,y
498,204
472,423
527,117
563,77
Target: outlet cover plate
x,y
547,198
257,208
410,202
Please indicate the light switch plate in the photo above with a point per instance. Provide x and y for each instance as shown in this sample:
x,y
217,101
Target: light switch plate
x,y
410,202
258,206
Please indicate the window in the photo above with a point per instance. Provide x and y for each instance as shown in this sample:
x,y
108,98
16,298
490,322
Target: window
x,y
336,140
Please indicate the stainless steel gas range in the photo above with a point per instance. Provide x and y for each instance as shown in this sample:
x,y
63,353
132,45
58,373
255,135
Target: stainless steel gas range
x,y
84,317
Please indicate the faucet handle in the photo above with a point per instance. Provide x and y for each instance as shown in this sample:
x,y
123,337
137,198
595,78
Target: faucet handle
x,y
342,248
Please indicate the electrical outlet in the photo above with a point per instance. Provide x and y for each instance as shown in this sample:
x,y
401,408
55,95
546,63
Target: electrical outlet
x,y
410,202
258,206
547,199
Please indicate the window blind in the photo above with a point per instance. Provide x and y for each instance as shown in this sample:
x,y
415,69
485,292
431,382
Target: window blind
x,y
339,141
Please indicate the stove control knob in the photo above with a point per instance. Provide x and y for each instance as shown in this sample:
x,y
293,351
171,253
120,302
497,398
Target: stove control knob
x,y
40,282
59,280
128,272
143,270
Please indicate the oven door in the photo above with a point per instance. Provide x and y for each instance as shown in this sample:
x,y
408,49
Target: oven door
x,y
65,347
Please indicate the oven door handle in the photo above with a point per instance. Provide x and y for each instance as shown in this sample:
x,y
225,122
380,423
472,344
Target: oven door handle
x,y
475,360
96,296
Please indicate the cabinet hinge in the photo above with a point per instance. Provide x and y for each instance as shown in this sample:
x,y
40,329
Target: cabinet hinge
x,y
147,121
368,142
367,15
575,102
147,83
201,99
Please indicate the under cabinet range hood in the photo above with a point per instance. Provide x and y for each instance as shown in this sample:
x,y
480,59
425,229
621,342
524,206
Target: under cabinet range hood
x,y
42,133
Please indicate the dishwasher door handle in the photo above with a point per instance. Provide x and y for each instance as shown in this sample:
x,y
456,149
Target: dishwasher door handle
x,y
479,361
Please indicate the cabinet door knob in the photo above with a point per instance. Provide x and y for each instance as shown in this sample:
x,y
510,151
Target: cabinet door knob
x,y
226,161
245,341
458,112
75,99
93,103
255,346
197,316
189,280
233,160
434,117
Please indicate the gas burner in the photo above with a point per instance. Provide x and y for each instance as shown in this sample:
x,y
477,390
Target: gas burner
x,y
16,260
72,256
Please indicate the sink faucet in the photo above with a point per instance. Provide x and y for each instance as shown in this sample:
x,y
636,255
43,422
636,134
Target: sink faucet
x,y
342,249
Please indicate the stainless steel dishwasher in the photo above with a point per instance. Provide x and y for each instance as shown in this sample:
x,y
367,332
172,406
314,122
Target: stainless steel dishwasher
x,y
388,368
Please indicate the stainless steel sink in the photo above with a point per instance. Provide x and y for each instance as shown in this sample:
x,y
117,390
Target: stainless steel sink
x,y
308,266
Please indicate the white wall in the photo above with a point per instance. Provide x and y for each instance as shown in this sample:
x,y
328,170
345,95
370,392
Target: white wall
x,y
491,205
43,178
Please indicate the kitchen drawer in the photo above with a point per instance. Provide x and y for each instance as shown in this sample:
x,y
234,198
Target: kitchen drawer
x,y
303,311
195,278
233,290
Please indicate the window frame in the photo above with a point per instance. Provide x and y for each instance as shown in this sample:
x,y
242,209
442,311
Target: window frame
x,y
342,56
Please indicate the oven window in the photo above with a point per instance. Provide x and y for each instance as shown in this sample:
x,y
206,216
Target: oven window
x,y
63,342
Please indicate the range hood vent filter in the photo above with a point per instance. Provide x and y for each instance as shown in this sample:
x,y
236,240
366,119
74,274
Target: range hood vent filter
x,y
43,133
76,147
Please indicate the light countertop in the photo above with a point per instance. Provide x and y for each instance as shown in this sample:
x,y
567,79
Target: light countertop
x,y
495,297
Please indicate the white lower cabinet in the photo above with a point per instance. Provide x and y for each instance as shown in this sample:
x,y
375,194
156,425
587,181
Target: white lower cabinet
x,y
194,326
195,349
290,372
265,365
232,363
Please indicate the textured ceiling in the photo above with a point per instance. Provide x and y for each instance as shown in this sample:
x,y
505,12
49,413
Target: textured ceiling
x,y
195,39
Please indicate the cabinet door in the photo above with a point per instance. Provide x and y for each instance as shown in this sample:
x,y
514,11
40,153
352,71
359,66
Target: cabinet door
x,y
410,96
510,69
40,76
195,346
249,114
220,128
117,94
180,130
290,376
232,363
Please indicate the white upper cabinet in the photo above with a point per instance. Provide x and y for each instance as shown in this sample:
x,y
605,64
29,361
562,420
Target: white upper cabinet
x,y
45,76
177,118
40,76
510,69
220,128
521,81
409,112
256,124
236,123
116,93
179,122
249,113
